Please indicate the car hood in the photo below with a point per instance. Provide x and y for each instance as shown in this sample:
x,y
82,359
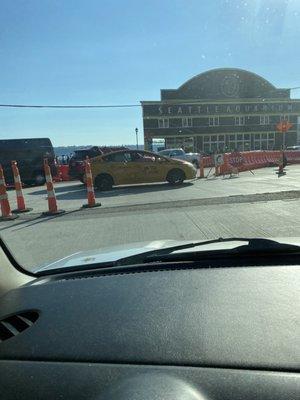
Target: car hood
x,y
114,253
181,162
107,254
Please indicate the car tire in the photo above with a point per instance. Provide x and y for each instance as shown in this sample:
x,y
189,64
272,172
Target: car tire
x,y
175,176
39,178
195,163
104,182
28,182
82,179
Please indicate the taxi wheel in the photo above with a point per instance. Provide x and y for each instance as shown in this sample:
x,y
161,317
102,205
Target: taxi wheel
x,y
195,164
175,176
104,182
38,179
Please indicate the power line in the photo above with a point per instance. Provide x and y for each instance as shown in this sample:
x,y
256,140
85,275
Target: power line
x,y
84,106
65,106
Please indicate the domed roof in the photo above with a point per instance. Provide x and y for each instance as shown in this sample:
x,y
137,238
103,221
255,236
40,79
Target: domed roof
x,y
225,83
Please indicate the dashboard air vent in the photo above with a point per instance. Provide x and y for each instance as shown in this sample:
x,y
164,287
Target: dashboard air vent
x,y
17,323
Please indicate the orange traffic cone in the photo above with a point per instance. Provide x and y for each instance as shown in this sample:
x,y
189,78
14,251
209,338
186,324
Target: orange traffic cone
x,y
52,203
18,188
201,168
89,186
5,206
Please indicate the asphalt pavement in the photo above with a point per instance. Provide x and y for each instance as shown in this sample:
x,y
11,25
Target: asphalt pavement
x,y
249,205
72,195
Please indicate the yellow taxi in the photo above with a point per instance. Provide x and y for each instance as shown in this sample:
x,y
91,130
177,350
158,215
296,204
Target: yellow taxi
x,y
136,166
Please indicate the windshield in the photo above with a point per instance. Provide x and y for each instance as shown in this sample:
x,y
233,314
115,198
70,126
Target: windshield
x,y
127,125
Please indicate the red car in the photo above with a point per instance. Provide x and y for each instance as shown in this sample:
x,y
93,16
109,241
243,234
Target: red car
x,y
76,163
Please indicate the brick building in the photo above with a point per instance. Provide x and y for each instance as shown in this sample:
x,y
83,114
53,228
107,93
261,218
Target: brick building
x,y
221,109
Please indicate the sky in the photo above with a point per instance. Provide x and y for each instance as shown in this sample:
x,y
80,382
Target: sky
x,y
109,52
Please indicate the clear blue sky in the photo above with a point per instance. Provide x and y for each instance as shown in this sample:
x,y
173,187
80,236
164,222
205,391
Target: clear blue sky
x,y
120,52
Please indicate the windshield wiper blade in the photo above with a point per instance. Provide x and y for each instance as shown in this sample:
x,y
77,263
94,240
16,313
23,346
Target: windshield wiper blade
x,y
255,245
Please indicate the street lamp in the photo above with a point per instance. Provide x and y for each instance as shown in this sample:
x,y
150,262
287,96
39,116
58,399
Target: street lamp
x,y
137,139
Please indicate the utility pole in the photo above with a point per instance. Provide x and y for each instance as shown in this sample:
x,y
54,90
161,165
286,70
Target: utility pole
x,y
137,138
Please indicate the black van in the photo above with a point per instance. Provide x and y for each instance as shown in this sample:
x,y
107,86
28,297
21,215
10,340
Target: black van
x,y
30,154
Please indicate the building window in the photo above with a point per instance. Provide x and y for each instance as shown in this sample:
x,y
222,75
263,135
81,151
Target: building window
x,y
264,120
187,122
213,143
239,141
214,121
163,123
239,121
264,141
284,118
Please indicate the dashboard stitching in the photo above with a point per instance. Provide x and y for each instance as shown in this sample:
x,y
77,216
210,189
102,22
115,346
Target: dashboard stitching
x,y
100,275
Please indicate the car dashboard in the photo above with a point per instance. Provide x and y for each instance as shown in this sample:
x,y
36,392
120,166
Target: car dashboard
x,y
166,333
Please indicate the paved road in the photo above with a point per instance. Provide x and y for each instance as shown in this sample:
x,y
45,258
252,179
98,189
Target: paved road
x,y
72,195
259,205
